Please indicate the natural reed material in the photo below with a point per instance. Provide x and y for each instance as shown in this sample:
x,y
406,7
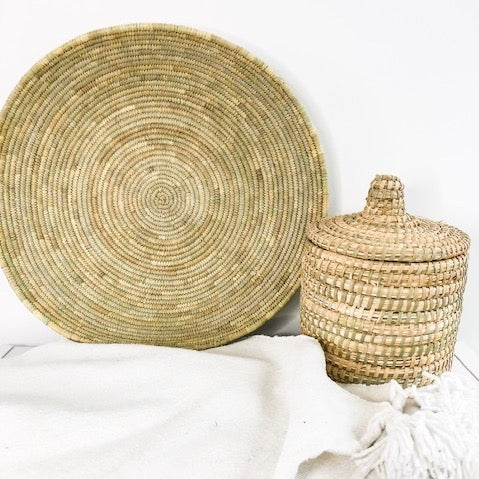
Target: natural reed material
x,y
156,184
382,290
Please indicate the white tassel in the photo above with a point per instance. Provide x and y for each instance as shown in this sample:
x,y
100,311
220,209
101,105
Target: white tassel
x,y
428,433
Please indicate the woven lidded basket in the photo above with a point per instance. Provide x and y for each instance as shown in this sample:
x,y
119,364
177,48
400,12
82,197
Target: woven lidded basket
x,y
382,290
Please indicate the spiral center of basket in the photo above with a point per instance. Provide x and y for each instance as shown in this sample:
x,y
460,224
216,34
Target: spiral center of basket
x,y
163,200
154,196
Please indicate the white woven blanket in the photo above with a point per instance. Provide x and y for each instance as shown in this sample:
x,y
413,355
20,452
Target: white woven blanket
x,y
260,408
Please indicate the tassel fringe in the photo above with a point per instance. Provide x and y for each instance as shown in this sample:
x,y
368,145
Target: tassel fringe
x,y
428,433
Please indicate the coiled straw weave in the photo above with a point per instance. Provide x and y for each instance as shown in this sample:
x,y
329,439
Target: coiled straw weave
x,y
156,184
382,290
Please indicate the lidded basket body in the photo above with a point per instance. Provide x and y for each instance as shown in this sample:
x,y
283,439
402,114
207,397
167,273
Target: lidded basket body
x,y
382,290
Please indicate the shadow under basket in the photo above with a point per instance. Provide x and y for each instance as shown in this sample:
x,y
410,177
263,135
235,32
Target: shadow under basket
x,y
382,290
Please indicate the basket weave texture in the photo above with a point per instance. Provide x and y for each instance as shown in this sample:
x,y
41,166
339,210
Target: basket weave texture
x,y
382,290
156,184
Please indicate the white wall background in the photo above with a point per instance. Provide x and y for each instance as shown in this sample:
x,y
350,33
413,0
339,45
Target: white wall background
x,y
391,87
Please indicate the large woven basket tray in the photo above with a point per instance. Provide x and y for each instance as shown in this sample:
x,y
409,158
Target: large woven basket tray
x,y
156,183
382,290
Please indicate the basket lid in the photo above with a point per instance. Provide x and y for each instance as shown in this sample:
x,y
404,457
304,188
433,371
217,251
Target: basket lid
x,y
384,231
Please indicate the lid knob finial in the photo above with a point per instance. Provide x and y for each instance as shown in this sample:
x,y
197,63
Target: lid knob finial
x,y
385,198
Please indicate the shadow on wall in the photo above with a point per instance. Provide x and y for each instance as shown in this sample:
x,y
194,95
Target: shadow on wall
x,y
285,322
